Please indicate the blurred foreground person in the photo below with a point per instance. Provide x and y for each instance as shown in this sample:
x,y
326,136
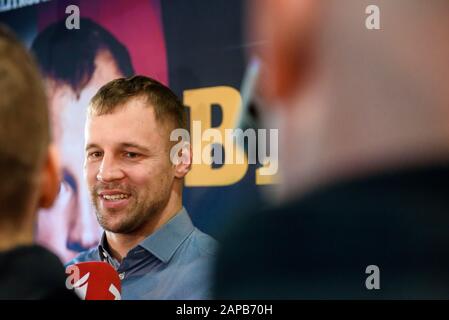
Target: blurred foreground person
x,y
363,118
29,179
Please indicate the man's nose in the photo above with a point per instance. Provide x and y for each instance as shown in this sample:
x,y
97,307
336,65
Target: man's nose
x,y
109,170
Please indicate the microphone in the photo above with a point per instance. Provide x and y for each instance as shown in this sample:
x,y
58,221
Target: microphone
x,y
94,280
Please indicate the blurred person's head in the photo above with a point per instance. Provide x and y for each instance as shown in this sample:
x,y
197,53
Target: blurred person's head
x,y
75,64
28,164
349,100
134,185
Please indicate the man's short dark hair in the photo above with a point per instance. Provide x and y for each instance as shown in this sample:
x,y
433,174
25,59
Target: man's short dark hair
x,y
68,56
24,126
116,93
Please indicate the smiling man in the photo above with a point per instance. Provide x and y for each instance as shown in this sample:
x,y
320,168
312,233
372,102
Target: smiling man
x,y
137,192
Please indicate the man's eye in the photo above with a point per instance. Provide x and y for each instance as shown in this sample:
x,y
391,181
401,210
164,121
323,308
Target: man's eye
x,y
131,155
94,155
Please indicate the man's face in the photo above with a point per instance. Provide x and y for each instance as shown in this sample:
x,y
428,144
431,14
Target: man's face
x,y
127,166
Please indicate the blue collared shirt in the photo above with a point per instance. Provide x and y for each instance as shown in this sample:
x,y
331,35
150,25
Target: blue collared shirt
x,y
175,262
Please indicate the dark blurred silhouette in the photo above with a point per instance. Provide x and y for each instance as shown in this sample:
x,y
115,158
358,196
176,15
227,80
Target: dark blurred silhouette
x,y
29,178
363,118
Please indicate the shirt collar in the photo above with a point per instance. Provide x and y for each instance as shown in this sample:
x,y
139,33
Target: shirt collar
x,y
104,253
164,242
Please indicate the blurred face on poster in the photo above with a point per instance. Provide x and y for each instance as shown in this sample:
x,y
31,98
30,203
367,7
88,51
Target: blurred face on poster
x,y
69,116
71,81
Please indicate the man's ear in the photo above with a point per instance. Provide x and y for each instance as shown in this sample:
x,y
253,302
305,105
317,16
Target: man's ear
x,y
50,178
285,28
185,157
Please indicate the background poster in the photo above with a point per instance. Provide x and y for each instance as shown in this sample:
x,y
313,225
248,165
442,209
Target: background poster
x,y
197,48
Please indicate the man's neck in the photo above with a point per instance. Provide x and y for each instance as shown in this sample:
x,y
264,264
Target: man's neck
x,y
328,140
10,238
119,244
